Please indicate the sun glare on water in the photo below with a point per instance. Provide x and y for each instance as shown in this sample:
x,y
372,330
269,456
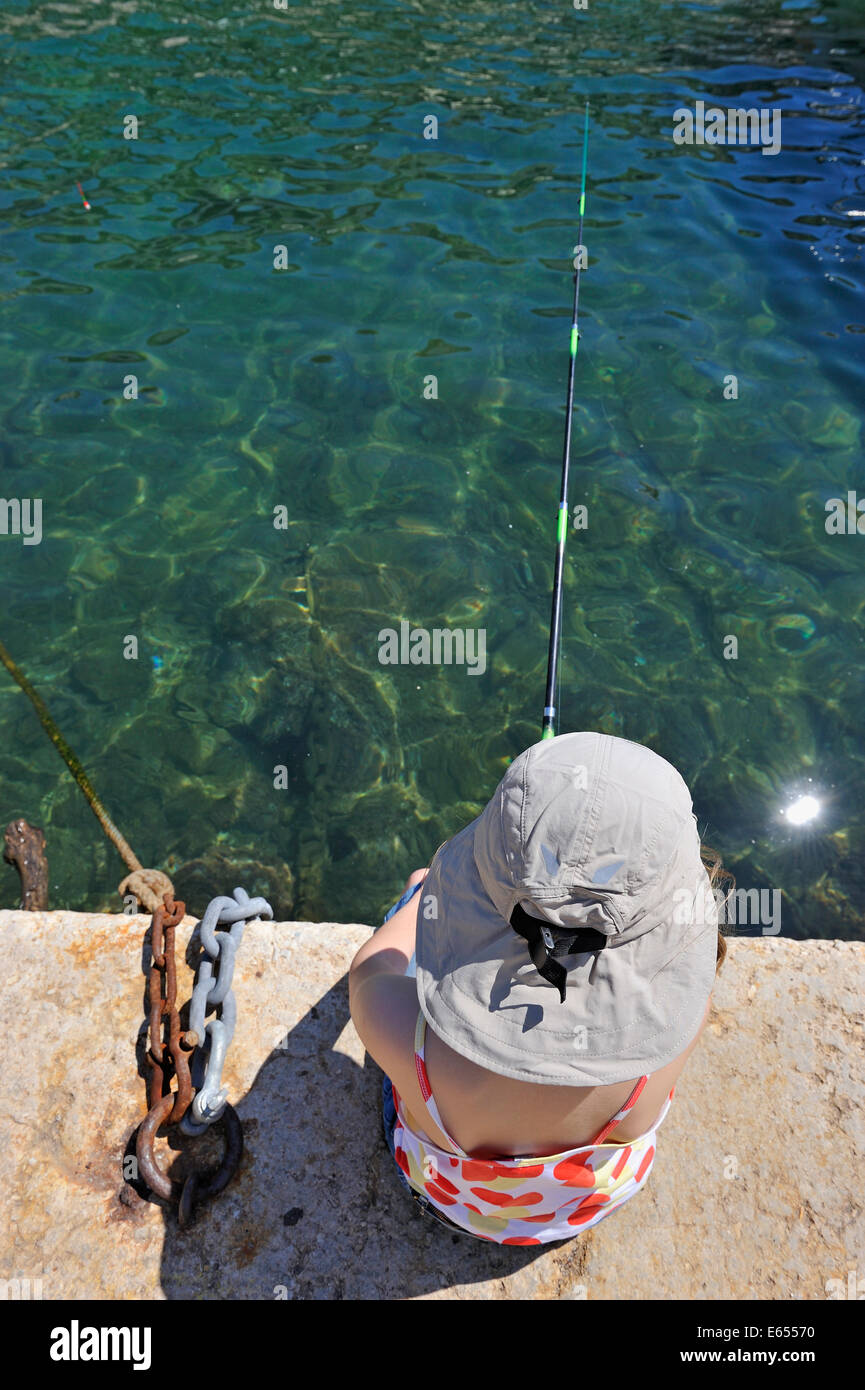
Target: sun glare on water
x,y
806,809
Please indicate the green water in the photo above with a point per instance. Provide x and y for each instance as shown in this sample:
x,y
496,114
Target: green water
x,y
304,388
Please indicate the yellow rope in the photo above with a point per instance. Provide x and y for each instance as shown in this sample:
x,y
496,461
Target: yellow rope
x,y
148,885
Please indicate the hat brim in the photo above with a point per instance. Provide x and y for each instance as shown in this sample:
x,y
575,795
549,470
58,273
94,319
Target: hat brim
x,y
629,1009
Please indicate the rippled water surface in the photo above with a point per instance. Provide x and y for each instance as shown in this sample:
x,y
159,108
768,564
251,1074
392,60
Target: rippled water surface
x,y
303,388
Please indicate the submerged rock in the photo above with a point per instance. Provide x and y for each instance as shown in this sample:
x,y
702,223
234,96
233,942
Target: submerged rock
x,y
216,875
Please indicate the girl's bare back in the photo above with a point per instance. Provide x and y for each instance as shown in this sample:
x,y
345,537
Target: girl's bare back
x,y
493,1116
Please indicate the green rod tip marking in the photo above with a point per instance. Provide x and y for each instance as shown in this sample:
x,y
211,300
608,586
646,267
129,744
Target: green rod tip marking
x,y
563,522
548,733
575,338
582,203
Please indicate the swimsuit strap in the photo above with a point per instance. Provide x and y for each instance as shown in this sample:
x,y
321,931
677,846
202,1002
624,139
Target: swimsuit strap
x,y
423,1081
620,1114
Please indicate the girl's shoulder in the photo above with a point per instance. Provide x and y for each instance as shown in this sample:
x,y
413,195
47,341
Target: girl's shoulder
x,y
478,1106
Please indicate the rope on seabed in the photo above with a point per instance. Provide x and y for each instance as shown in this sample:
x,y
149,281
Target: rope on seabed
x,y
149,886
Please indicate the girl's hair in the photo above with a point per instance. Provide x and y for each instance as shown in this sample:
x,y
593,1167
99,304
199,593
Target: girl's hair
x,y
718,875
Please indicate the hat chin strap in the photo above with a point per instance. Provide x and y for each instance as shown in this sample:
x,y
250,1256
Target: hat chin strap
x,y
543,946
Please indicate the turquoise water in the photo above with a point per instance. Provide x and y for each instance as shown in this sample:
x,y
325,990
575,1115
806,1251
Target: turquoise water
x,y
304,388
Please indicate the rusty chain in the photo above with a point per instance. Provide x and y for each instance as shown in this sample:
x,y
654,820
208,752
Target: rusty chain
x,y
167,1106
164,971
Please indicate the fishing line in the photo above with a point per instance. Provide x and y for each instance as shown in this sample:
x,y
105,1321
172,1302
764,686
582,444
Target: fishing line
x,y
551,699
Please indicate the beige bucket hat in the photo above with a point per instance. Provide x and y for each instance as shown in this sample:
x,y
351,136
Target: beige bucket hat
x,y
569,935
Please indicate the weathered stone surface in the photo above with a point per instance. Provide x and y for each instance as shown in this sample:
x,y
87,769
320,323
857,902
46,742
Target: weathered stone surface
x,y
756,1192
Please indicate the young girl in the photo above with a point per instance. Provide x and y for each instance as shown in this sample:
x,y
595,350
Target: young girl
x,y
535,994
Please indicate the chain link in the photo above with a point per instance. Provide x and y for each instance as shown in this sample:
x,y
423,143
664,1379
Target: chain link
x,y
173,1107
213,988
163,974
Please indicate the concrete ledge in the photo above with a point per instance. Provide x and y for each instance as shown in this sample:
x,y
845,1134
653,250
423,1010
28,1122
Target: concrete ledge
x,y
756,1192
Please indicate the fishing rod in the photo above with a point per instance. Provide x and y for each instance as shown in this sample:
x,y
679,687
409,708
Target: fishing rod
x,y
548,728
